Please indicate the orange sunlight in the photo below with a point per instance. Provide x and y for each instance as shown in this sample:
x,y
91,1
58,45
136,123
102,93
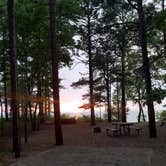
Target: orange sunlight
x,y
71,107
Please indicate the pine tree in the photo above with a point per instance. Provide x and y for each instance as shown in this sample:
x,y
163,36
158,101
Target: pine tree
x,y
13,73
55,77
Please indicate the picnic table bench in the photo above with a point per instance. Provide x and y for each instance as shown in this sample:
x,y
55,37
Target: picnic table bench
x,y
162,123
110,131
125,128
137,129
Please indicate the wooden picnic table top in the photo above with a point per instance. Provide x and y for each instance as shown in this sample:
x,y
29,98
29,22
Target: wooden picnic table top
x,y
123,123
123,126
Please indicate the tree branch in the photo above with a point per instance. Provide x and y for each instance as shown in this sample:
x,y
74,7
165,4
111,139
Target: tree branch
x,y
132,5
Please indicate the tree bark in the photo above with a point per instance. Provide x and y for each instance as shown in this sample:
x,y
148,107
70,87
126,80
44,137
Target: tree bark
x,y
117,99
108,101
2,120
34,121
24,108
164,33
55,74
108,98
91,86
123,102
5,82
45,106
40,100
13,73
141,111
146,68
165,43
5,95
29,104
49,107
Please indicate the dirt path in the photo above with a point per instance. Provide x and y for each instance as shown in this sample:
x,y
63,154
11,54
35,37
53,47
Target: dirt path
x,y
81,135
89,156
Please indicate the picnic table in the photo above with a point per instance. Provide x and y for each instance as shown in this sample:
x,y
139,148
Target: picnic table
x,y
123,126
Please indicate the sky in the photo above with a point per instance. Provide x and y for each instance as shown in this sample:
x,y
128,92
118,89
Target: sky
x,y
71,98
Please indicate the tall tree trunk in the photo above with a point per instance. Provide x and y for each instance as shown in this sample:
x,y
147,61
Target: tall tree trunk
x,y
108,98
49,107
5,95
39,86
13,73
108,91
141,111
46,98
45,101
147,75
139,114
55,77
29,104
5,81
117,99
40,100
45,106
1,119
165,43
139,104
123,101
108,102
34,121
164,33
91,86
24,108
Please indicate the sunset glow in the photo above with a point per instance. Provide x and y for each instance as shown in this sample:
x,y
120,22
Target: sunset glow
x,y
70,106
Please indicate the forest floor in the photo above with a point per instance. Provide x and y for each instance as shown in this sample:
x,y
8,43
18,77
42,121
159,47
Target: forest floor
x,y
84,147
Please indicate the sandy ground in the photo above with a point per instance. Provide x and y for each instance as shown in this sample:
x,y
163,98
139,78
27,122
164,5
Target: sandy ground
x,y
89,156
83,147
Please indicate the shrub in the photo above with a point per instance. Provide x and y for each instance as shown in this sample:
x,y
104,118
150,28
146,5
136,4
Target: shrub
x,y
162,116
68,120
